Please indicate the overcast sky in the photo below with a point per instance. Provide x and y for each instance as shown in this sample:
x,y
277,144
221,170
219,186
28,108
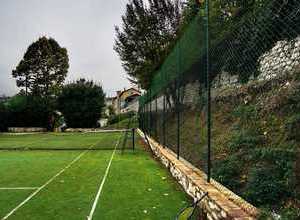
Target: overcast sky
x,y
84,27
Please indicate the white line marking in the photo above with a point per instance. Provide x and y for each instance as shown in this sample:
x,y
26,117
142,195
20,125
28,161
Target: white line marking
x,y
49,181
90,216
18,188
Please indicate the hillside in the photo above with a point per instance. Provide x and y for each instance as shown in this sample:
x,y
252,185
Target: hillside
x,y
255,140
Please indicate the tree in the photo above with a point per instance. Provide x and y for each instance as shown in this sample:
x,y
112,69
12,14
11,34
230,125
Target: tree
x,y
190,10
3,117
27,111
81,103
146,36
43,68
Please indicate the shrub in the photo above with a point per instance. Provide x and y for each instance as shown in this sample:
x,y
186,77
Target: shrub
x,y
292,127
247,115
3,117
290,214
81,102
272,181
265,186
228,172
27,111
292,102
285,214
244,140
265,215
120,117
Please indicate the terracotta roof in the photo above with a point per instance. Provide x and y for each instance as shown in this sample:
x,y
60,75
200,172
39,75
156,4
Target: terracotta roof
x,y
128,90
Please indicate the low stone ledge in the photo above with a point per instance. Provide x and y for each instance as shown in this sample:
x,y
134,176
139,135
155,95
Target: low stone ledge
x,y
91,130
221,203
26,129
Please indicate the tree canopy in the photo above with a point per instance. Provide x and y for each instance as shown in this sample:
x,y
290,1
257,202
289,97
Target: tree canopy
x,y
25,111
81,103
150,29
144,39
43,68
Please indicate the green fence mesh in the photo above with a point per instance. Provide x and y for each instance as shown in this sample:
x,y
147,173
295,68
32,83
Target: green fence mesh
x,y
254,58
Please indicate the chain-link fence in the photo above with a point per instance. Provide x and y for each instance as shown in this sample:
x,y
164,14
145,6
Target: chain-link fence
x,y
240,97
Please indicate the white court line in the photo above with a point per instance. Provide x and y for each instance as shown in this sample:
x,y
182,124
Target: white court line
x,y
17,188
43,186
90,216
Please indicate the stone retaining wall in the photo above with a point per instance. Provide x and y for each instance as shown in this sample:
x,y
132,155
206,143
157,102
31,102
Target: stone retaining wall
x,y
220,203
283,58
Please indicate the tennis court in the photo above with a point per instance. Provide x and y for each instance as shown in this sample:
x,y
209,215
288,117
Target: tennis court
x,y
83,176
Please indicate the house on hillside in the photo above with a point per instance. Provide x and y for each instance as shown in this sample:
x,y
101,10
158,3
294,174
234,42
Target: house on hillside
x,y
124,101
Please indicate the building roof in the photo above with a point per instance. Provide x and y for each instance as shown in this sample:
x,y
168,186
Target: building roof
x,y
132,88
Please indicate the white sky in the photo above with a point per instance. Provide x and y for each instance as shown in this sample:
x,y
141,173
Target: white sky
x,y
84,27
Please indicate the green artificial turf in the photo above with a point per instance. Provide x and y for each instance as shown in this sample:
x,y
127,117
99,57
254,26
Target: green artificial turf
x,y
10,198
137,187
60,141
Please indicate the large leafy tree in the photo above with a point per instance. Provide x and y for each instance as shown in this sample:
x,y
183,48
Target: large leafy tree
x,y
43,68
81,103
149,29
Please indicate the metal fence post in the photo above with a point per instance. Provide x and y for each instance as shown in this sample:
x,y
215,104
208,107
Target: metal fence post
x,y
150,113
145,118
208,93
156,120
178,118
148,119
164,121
142,118
178,98
133,143
139,117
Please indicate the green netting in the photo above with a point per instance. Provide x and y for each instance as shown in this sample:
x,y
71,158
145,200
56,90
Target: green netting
x,y
187,51
254,68
236,43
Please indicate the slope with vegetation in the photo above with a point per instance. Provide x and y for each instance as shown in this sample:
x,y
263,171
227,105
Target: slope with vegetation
x,y
255,142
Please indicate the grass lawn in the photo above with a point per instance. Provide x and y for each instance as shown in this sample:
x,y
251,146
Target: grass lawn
x,y
60,141
64,184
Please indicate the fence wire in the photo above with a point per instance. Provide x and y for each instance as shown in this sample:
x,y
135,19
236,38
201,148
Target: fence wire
x,y
254,46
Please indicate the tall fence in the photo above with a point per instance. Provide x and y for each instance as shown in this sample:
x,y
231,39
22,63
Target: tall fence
x,y
224,73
